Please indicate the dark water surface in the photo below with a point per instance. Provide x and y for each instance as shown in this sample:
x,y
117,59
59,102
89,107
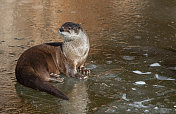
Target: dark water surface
x,y
132,56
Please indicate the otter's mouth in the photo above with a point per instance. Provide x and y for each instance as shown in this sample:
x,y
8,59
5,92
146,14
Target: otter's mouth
x,y
59,32
64,34
61,29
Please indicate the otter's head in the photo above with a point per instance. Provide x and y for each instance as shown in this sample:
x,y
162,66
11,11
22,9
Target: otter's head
x,y
70,30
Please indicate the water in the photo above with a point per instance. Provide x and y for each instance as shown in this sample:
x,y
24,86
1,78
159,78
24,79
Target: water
x,y
132,56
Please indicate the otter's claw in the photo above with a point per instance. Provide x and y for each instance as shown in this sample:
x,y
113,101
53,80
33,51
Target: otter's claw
x,y
80,76
57,79
84,71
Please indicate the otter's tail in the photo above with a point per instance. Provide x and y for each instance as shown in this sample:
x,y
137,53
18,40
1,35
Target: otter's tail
x,y
49,88
39,84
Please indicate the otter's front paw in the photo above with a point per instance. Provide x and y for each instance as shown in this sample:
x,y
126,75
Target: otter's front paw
x,y
56,78
80,76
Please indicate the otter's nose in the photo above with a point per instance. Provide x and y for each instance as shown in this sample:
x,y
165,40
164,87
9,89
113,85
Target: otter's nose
x,y
61,29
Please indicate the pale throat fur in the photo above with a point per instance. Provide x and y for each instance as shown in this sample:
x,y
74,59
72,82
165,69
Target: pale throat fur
x,y
76,47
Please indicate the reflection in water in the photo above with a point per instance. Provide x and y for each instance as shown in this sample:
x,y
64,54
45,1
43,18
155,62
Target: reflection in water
x,y
47,103
131,42
78,100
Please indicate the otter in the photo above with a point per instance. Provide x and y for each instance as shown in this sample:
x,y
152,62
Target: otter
x,y
39,65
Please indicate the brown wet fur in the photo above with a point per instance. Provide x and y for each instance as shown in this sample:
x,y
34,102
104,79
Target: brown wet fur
x,y
35,65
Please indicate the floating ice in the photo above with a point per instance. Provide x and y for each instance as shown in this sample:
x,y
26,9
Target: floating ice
x,y
172,68
110,110
124,97
110,76
91,66
108,62
139,72
133,89
140,83
156,108
155,65
138,37
145,54
146,111
128,110
162,77
158,86
129,58
139,104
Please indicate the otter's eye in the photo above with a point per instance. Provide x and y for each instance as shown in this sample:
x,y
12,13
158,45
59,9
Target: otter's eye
x,y
69,28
